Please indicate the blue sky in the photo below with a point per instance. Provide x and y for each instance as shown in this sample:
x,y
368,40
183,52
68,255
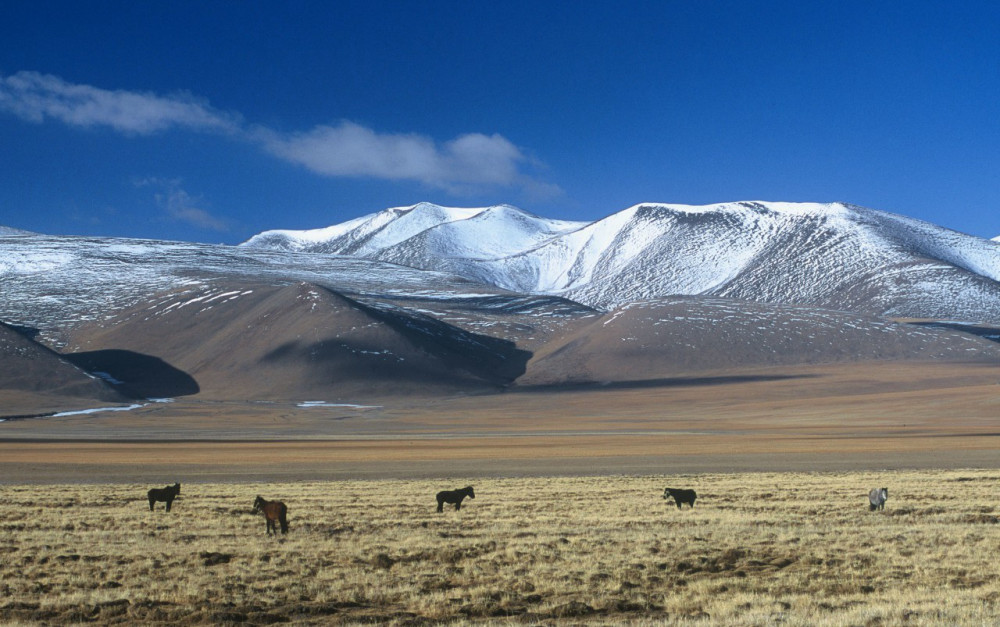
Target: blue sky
x,y
214,121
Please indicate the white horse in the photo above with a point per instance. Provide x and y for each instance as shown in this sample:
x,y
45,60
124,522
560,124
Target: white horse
x,y
876,498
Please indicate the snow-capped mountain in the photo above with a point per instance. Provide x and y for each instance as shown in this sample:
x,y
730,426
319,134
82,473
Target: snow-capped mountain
x,y
836,256
55,283
434,300
430,230
8,230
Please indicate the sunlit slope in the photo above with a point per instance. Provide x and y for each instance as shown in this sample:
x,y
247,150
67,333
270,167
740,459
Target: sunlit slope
x,y
684,336
297,342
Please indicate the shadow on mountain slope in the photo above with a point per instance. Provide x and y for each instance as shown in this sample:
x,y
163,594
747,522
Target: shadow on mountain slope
x,y
34,379
987,332
495,360
136,375
665,382
31,333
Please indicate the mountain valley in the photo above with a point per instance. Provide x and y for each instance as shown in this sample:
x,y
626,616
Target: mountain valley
x,y
381,327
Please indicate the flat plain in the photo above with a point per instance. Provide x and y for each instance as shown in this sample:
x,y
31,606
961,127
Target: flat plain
x,y
757,549
840,417
568,527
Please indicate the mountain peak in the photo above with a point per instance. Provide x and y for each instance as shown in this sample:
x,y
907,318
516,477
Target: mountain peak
x,y
440,212
8,230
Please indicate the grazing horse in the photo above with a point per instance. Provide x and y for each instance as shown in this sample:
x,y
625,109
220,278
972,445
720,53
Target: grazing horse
x,y
273,511
680,496
877,498
454,496
167,494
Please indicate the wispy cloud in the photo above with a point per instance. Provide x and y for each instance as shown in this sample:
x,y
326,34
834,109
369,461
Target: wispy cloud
x,y
467,163
178,205
349,149
37,97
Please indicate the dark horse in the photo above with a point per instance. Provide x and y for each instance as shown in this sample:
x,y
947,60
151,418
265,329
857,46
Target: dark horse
x,y
680,496
273,511
454,496
167,494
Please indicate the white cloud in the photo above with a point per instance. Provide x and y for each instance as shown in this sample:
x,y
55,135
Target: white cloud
x,y
36,97
465,164
181,206
348,149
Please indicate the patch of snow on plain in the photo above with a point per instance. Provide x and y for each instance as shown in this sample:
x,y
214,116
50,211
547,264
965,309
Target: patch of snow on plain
x,y
325,404
96,410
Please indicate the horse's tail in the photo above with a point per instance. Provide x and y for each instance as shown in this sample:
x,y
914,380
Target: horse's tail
x,y
283,519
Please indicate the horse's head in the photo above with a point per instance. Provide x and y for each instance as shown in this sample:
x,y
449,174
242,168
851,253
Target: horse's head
x,y
177,488
258,504
666,492
470,492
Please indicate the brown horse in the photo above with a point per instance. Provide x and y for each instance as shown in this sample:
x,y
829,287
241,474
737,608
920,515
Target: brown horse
x,y
167,494
273,511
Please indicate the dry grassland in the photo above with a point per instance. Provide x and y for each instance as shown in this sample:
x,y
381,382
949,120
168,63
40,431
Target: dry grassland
x,y
758,549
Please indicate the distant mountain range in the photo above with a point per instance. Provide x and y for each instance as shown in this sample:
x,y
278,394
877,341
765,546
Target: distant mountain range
x,y
835,256
427,300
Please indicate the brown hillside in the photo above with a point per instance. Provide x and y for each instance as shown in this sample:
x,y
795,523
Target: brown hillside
x,y
34,379
679,336
295,342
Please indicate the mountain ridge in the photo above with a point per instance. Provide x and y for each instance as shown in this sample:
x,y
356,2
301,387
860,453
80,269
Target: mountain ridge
x,y
428,302
834,255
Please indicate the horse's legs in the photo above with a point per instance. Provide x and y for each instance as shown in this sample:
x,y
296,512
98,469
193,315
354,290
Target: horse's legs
x,y
169,501
440,505
151,502
458,505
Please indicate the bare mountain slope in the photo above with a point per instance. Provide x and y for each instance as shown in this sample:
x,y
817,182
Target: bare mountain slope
x,y
297,342
648,341
37,380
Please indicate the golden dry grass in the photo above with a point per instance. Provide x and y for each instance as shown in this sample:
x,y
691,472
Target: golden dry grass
x,y
758,549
